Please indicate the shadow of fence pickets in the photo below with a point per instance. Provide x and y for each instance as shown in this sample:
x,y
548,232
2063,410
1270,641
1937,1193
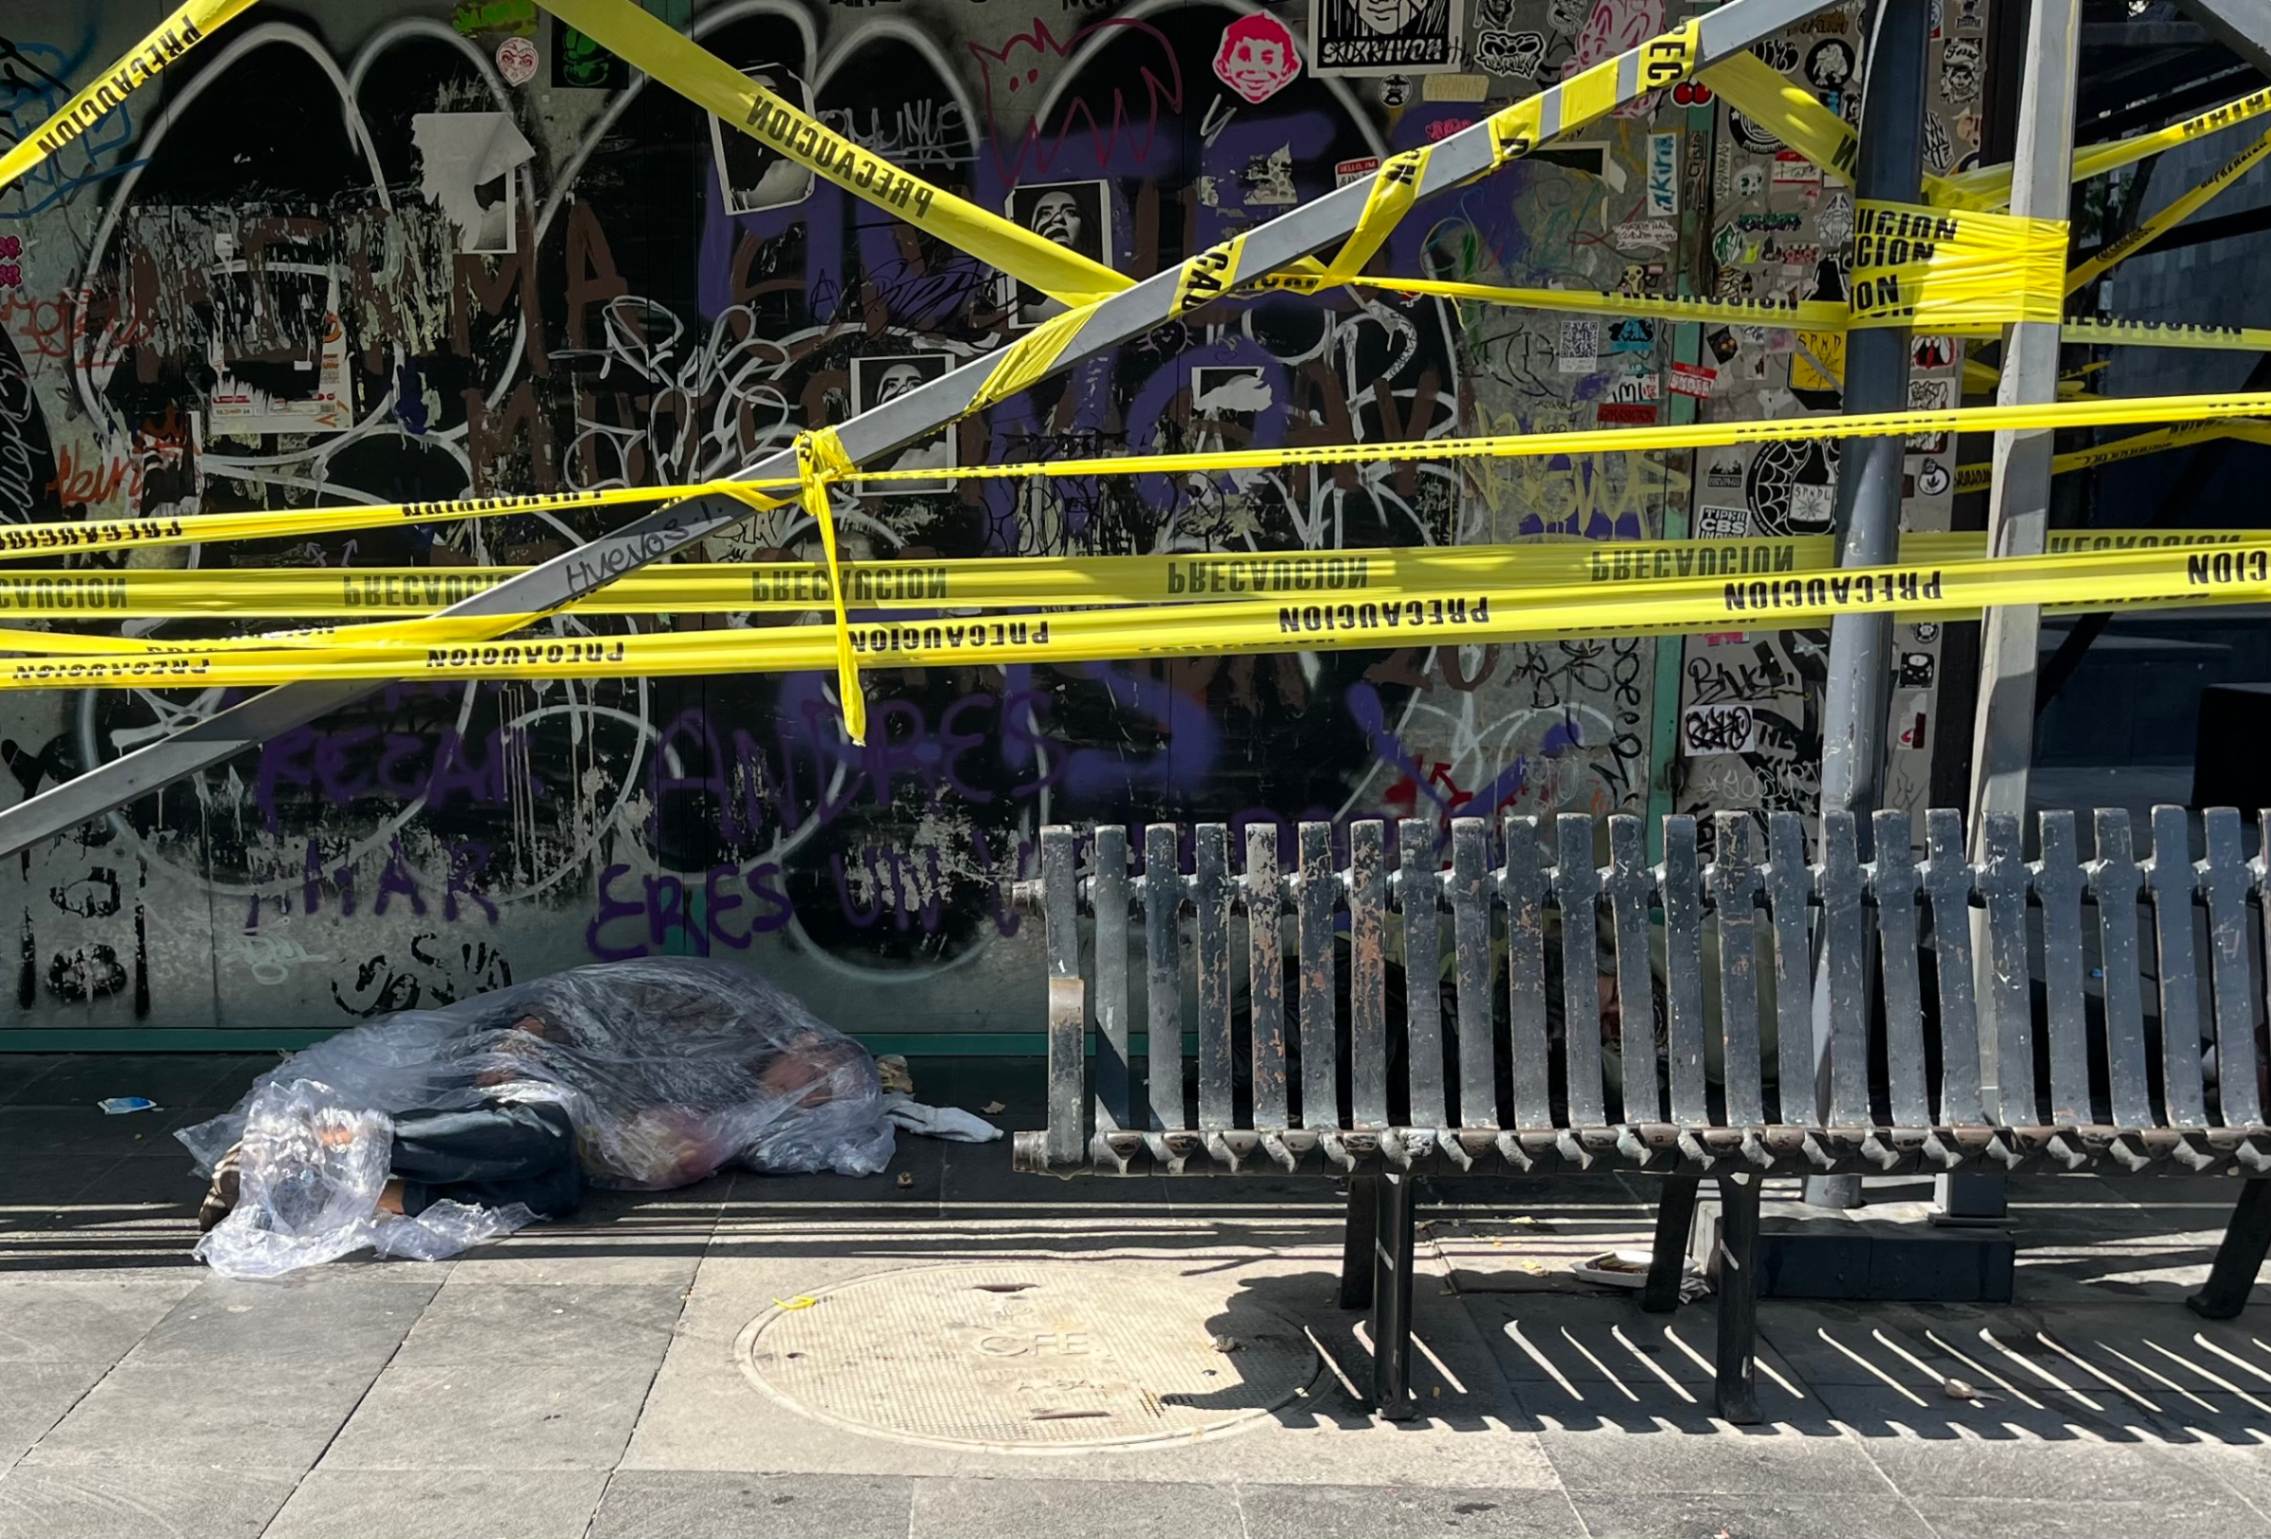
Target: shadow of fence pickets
x,y
1928,1062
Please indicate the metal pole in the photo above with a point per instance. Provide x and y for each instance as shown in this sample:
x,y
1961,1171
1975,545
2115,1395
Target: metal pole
x,y
2018,520
1122,317
1890,169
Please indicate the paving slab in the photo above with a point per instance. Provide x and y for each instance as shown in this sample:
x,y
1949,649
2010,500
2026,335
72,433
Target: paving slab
x,y
1366,1512
138,1499
170,1079
354,1318
2001,1518
1051,1509
1671,1445
1752,1515
704,1504
82,1321
495,1415
440,1503
1954,1449
223,1413
520,1324
35,1396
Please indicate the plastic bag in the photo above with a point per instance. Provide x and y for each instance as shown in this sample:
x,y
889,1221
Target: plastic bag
x,y
669,1067
311,1174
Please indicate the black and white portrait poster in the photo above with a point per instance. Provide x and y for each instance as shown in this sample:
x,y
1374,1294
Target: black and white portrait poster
x,y
880,381
1077,216
1383,37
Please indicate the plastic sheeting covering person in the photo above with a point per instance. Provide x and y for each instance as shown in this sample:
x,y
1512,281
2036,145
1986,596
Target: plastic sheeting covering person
x,y
666,1069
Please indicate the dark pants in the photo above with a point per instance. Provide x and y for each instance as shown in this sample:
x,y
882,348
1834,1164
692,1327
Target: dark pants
x,y
491,1156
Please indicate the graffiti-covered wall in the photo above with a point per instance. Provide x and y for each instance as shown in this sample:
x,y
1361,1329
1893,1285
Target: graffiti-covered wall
x,y
385,250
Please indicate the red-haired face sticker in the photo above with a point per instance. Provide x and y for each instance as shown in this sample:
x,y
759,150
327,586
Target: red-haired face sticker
x,y
1257,59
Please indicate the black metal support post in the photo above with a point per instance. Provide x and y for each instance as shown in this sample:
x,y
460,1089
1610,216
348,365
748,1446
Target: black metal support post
x,y
1867,510
1391,1300
1667,1264
2239,1258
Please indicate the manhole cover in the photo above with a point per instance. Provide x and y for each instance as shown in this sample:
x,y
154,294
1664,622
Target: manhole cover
x,y
1029,1358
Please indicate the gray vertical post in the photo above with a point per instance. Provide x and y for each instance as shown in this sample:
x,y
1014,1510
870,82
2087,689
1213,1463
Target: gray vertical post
x,y
2018,520
1890,168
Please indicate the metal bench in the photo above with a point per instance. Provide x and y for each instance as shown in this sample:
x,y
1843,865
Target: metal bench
x,y
1313,1077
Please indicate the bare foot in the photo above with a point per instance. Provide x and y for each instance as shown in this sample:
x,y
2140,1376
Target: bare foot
x,y
390,1198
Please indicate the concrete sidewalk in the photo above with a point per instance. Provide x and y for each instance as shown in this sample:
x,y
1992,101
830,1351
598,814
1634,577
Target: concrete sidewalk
x,y
584,1379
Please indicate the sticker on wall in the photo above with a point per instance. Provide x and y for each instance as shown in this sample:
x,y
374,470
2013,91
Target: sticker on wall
x,y
516,61
1580,351
1511,53
471,18
1631,334
1916,670
1933,479
753,176
1777,53
1663,173
1645,235
1791,487
1229,393
1257,58
1718,523
1911,719
1960,59
579,63
1383,37
1361,169
11,261
1693,380
1829,67
1724,344
1930,395
1933,353
1625,414
1077,216
1792,169
468,165
1726,727
879,381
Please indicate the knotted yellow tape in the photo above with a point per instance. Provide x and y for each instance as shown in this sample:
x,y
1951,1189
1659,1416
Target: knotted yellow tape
x,y
1919,266
1029,359
1394,188
820,463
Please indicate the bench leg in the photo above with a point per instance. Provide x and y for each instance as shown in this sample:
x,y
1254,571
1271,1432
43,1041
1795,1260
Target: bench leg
x,y
1391,1299
2240,1257
1667,1267
1737,1390
1357,1238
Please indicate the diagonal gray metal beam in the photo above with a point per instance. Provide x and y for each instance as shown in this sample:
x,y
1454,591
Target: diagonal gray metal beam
x,y
1116,319
2243,26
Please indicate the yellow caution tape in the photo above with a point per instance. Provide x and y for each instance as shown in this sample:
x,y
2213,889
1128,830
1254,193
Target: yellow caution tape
x,y
1809,315
983,582
172,38
1641,440
820,463
2184,435
1990,186
22,542
2166,219
2237,573
1957,268
30,541
1796,116
660,51
1660,63
1395,187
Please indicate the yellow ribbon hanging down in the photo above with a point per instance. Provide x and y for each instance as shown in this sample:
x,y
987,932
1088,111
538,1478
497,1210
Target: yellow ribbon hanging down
x,y
820,463
1954,268
661,52
172,38
1794,115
